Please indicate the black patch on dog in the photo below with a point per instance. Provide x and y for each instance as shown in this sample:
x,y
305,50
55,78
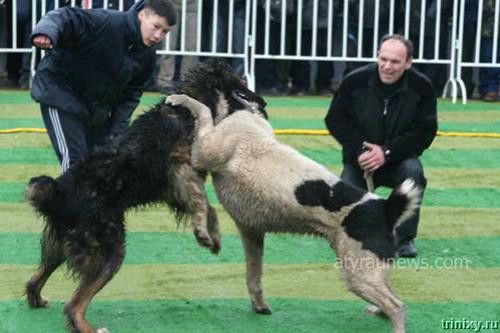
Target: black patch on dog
x,y
319,193
366,223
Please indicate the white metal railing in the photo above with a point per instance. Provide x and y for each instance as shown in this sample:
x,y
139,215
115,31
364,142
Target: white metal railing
x,y
341,19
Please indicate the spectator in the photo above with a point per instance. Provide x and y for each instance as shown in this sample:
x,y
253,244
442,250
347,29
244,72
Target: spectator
x,y
18,64
437,73
269,76
301,70
368,45
167,64
90,81
238,32
469,36
112,4
489,77
384,116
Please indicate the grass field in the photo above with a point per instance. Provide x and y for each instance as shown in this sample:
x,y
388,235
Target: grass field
x,y
169,284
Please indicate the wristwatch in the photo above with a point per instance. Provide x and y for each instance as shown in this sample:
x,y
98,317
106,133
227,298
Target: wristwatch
x,y
387,152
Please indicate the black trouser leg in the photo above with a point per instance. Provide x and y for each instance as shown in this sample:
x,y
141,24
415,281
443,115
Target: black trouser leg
x,y
66,133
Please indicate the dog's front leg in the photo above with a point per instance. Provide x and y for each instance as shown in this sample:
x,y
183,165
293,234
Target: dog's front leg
x,y
210,148
190,193
201,112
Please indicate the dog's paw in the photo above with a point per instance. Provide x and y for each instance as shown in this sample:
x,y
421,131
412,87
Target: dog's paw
x,y
177,100
38,302
262,310
203,238
33,297
373,310
102,330
215,248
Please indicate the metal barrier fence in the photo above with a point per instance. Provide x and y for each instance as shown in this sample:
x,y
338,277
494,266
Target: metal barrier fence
x,y
451,37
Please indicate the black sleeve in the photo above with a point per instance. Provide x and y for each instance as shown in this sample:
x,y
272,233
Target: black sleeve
x,y
122,113
65,26
342,124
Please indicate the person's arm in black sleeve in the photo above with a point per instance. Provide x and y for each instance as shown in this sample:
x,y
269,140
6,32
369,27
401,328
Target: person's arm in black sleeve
x,y
342,125
64,26
121,114
422,133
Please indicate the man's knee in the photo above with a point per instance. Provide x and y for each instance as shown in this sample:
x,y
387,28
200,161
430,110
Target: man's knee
x,y
412,168
353,175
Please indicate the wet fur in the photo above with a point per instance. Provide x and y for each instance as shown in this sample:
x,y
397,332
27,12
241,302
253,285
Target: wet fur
x,y
148,163
267,186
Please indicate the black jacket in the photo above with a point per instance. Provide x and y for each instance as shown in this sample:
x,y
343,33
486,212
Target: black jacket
x,y
98,66
406,122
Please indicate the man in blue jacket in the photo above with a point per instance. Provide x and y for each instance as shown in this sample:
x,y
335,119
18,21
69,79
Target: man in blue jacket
x,y
93,75
384,115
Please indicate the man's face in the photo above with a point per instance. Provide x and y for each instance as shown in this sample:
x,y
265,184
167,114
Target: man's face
x,y
153,27
392,61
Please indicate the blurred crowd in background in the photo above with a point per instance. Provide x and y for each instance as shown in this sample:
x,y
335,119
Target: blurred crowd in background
x,y
287,77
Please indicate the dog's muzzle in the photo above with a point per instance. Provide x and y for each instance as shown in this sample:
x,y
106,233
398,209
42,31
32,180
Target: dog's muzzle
x,y
250,106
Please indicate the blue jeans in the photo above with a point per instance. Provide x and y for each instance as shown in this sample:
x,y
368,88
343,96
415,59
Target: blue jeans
x,y
392,175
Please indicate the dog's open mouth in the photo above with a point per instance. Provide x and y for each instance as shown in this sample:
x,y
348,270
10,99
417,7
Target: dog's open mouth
x,y
251,106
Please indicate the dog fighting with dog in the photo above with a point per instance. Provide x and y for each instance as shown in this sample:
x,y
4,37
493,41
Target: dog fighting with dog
x,y
148,163
213,125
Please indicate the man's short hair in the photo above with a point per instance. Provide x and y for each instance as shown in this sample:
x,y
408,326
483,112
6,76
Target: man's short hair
x,y
406,42
163,8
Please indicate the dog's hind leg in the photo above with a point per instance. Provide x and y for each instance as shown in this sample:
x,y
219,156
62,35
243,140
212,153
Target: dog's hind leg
x,y
370,283
52,256
253,244
91,282
190,192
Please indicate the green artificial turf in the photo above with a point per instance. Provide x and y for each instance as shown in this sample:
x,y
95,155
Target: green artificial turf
x,y
170,284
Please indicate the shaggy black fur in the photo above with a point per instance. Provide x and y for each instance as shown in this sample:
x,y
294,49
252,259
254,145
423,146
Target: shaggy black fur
x,y
150,162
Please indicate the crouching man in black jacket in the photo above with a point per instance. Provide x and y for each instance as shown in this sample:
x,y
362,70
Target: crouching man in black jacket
x,y
384,116
93,75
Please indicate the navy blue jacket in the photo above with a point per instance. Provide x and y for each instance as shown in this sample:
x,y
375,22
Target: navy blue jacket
x,y
405,123
98,65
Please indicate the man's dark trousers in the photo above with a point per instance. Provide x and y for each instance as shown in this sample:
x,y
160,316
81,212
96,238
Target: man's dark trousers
x,y
71,136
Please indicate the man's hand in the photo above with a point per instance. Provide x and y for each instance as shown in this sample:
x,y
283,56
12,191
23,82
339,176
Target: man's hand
x,y
43,42
372,158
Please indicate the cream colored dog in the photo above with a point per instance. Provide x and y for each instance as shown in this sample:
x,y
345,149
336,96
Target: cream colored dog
x,y
267,186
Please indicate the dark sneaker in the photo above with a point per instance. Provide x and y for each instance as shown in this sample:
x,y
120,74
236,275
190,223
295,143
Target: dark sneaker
x,y
407,249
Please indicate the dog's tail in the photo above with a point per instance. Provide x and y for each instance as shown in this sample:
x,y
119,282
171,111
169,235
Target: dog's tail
x,y
402,203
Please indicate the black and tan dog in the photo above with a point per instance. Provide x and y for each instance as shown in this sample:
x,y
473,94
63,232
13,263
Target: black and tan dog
x,y
149,163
